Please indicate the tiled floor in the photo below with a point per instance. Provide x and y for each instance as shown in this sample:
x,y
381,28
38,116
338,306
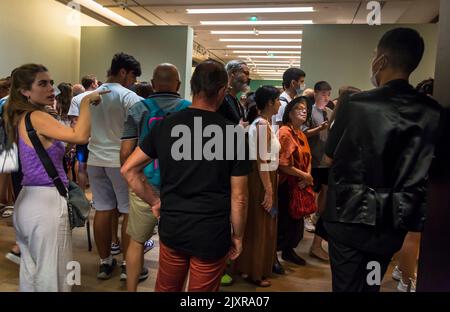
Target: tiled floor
x,y
315,276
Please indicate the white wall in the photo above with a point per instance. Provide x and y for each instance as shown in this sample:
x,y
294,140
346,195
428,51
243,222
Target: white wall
x,y
150,45
39,31
342,54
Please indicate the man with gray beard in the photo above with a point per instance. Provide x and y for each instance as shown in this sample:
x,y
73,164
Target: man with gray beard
x,y
238,81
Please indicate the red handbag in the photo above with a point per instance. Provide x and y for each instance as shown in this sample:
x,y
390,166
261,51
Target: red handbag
x,y
302,201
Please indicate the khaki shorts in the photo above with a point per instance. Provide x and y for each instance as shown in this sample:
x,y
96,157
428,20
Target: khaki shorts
x,y
141,222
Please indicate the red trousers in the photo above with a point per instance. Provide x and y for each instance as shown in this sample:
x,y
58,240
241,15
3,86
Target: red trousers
x,y
174,267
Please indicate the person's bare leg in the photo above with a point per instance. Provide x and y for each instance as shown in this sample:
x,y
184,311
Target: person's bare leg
x,y
316,246
102,232
408,256
82,177
115,226
3,188
135,262
125,237
15,248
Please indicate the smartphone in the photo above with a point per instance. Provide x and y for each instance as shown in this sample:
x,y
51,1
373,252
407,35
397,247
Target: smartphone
x,y
273,212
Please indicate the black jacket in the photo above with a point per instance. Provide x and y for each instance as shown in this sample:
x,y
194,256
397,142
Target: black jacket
x,y
382,143
231,109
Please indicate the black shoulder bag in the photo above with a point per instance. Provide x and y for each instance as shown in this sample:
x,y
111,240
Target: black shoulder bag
x,y
77,203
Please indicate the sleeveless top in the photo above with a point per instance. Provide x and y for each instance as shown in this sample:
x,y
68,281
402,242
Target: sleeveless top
x,y
34,173
259,137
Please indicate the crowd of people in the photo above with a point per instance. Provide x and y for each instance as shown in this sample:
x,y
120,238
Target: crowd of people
x,y
352,170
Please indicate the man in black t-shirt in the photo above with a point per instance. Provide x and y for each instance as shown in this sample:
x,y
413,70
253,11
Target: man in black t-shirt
x,y
200,193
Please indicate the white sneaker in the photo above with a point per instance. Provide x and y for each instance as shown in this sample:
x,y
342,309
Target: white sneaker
x,y
309,226
403,287
396,274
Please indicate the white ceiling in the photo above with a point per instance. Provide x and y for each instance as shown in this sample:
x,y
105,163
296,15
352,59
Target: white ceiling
x,y
173,12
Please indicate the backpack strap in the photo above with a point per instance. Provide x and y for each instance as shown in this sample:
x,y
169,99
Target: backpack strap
x,y
44,157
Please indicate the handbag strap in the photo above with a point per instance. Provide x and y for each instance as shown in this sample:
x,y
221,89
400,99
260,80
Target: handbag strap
x,y
44,157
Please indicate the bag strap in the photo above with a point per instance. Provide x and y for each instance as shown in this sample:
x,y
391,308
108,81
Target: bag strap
x,y
43,156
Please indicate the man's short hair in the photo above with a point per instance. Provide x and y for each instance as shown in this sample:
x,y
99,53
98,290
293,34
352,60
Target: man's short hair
x,y
404,48
87,81
234,66
322,86
290,74
124,61
209,77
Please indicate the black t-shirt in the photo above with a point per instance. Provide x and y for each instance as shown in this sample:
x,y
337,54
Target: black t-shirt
x,y
195,192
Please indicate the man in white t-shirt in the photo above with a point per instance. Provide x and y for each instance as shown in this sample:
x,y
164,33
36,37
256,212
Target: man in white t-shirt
x,y
293,85
109,188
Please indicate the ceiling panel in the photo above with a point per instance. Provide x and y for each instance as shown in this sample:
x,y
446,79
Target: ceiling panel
x,y
173,12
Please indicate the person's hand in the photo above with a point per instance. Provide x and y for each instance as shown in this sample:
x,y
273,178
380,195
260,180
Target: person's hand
x,y
302,184
156,208
324,125
243,123
268,200
307,180
236,247
96,97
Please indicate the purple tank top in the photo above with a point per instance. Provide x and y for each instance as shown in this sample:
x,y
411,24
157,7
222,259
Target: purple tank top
x,y
34,173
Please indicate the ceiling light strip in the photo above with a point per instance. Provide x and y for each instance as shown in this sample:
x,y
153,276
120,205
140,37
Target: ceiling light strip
x,y
280,22
266,52
251,10
259,40
269,57
254,32
238,46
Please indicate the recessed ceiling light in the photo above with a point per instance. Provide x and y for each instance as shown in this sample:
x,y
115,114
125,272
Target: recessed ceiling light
x,y
266,56
264,46
280,22
99,9
251,10
252,32
266,52
258,40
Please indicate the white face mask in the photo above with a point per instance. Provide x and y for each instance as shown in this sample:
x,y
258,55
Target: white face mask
x,y
373,76
300,89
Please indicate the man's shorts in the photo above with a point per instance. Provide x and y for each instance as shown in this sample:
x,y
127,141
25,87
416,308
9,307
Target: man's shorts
x,y
141,221
109,189
320,177
82,153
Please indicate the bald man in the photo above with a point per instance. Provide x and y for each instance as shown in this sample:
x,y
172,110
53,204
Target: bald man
x,y
77,89
141,223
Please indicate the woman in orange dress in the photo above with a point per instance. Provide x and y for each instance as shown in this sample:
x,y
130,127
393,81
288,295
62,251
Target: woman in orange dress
x,y
295,160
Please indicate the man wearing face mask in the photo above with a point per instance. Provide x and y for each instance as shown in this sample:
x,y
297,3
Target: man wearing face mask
x,y
293,85
381,146
238,81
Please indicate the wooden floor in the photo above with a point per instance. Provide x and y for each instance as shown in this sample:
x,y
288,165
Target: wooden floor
x,y
315,276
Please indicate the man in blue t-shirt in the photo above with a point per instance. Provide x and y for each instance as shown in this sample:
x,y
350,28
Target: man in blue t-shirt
x,y
141,224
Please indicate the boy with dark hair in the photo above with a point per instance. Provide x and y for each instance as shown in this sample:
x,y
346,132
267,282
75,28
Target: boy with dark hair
x,y
293,85
109,188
